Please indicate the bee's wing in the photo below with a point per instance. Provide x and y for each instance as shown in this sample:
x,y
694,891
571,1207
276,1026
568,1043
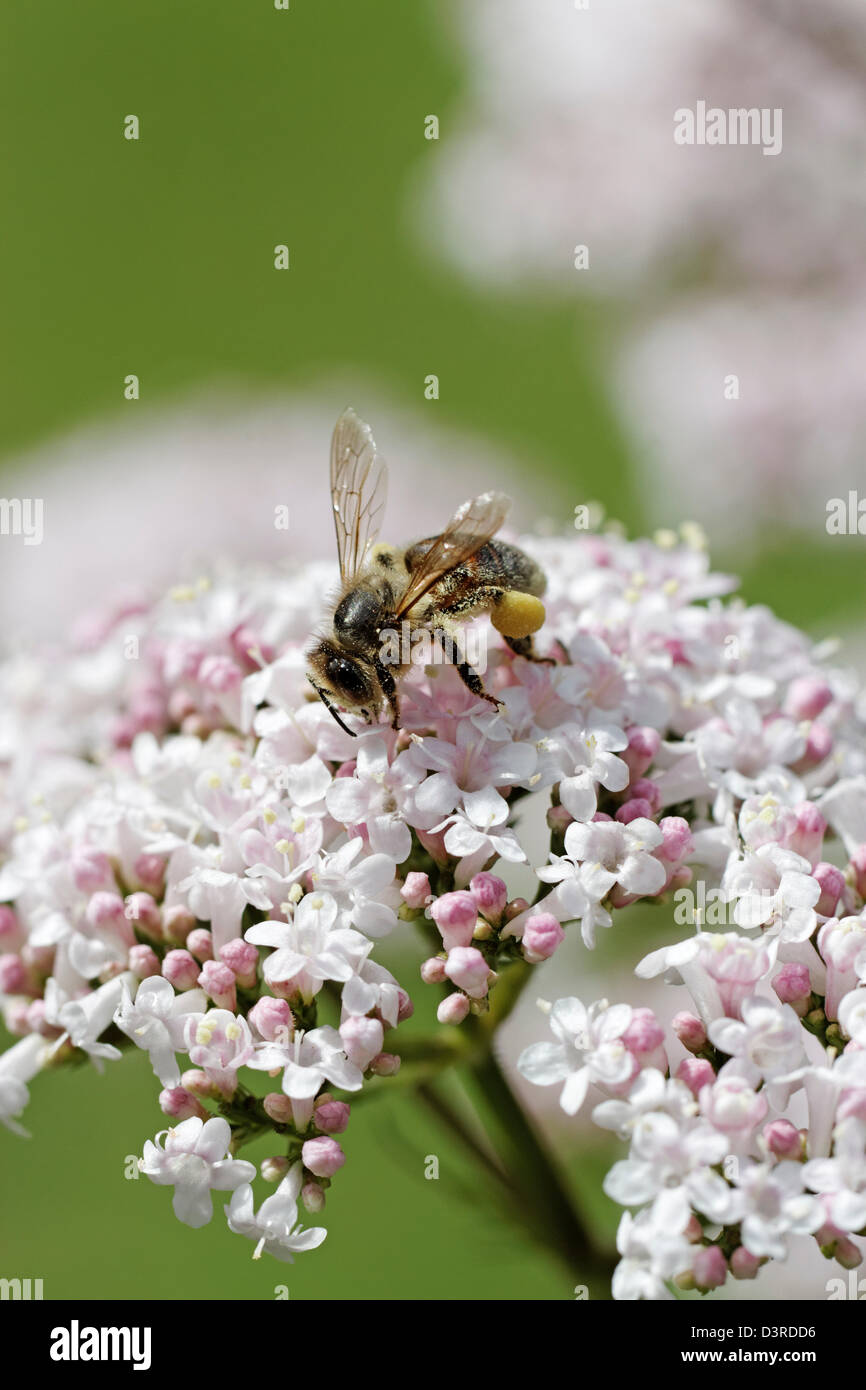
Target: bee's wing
x,y
472,524
359,485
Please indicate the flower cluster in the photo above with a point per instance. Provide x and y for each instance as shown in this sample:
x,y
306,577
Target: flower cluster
x,y
199,863
758,1132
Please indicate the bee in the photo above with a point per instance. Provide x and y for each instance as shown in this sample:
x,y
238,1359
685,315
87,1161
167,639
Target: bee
x,y
434,585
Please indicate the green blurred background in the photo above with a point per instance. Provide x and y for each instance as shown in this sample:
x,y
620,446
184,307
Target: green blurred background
x,y
260,127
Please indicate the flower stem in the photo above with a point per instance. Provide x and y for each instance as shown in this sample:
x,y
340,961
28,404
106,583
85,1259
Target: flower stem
x,y
547,1208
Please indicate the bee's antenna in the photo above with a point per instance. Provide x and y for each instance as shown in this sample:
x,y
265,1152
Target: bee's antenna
x,y
330,708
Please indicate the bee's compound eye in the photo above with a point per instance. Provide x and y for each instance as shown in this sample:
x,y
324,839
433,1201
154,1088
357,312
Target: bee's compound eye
x,y
347,677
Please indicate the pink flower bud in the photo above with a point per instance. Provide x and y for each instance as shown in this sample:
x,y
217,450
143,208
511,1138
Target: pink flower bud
x,y
710,1269
386,1064
242,958
12,933
323,1157
643,744
783,1140
644,1037
143,912
793,986
180,969
808,837
453,1009
38,958
198,1083
274,1169
144,962
744,1265
92,871
819,745
177,923
312,1197
468,969
15,1012
832,881
219,674
558,819
455,914
434,843
647,791
416,892
278,1107
405,1007
38,1023
218,981
271,1018
433,971
693,1229
690,1031
332,1117
806,698
181,1104
105,912
847,1253
14,975
199,943
634,810
696,1072
542,934
677,843
514,908
149,870
490,894
362,1039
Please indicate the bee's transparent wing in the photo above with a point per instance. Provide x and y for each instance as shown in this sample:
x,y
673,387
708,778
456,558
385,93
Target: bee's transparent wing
x,y
472,524
359,486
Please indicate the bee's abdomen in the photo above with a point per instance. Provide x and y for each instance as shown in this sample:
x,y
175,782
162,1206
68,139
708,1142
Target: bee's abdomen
x,y
517,569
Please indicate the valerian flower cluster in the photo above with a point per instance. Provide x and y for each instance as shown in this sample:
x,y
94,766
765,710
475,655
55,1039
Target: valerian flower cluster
x,y
199,863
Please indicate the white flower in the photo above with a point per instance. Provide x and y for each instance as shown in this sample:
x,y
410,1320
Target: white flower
x,y
84,1020
768,1044
219,1042
842,1178
155,1021
651,1091
592,755
653,1248
193,1160
18,1065
774,888
373,987
616,853
589,1049
307,1061
275,1226
375,796
852,1016
362,885
772,1206
214,895
312,947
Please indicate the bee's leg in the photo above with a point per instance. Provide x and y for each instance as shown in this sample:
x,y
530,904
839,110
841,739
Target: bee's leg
x,y
471,678
523,646
389,690
453,650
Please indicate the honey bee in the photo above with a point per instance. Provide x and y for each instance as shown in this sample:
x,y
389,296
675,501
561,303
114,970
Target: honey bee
x,y
433,585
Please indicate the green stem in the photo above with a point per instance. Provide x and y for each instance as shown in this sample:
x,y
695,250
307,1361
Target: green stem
x,y
534,1173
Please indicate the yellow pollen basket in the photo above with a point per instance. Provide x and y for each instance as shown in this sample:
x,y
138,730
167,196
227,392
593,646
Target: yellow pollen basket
x,y
518,615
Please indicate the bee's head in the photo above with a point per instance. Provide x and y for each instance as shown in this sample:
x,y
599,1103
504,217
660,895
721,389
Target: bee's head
x,y
345,679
